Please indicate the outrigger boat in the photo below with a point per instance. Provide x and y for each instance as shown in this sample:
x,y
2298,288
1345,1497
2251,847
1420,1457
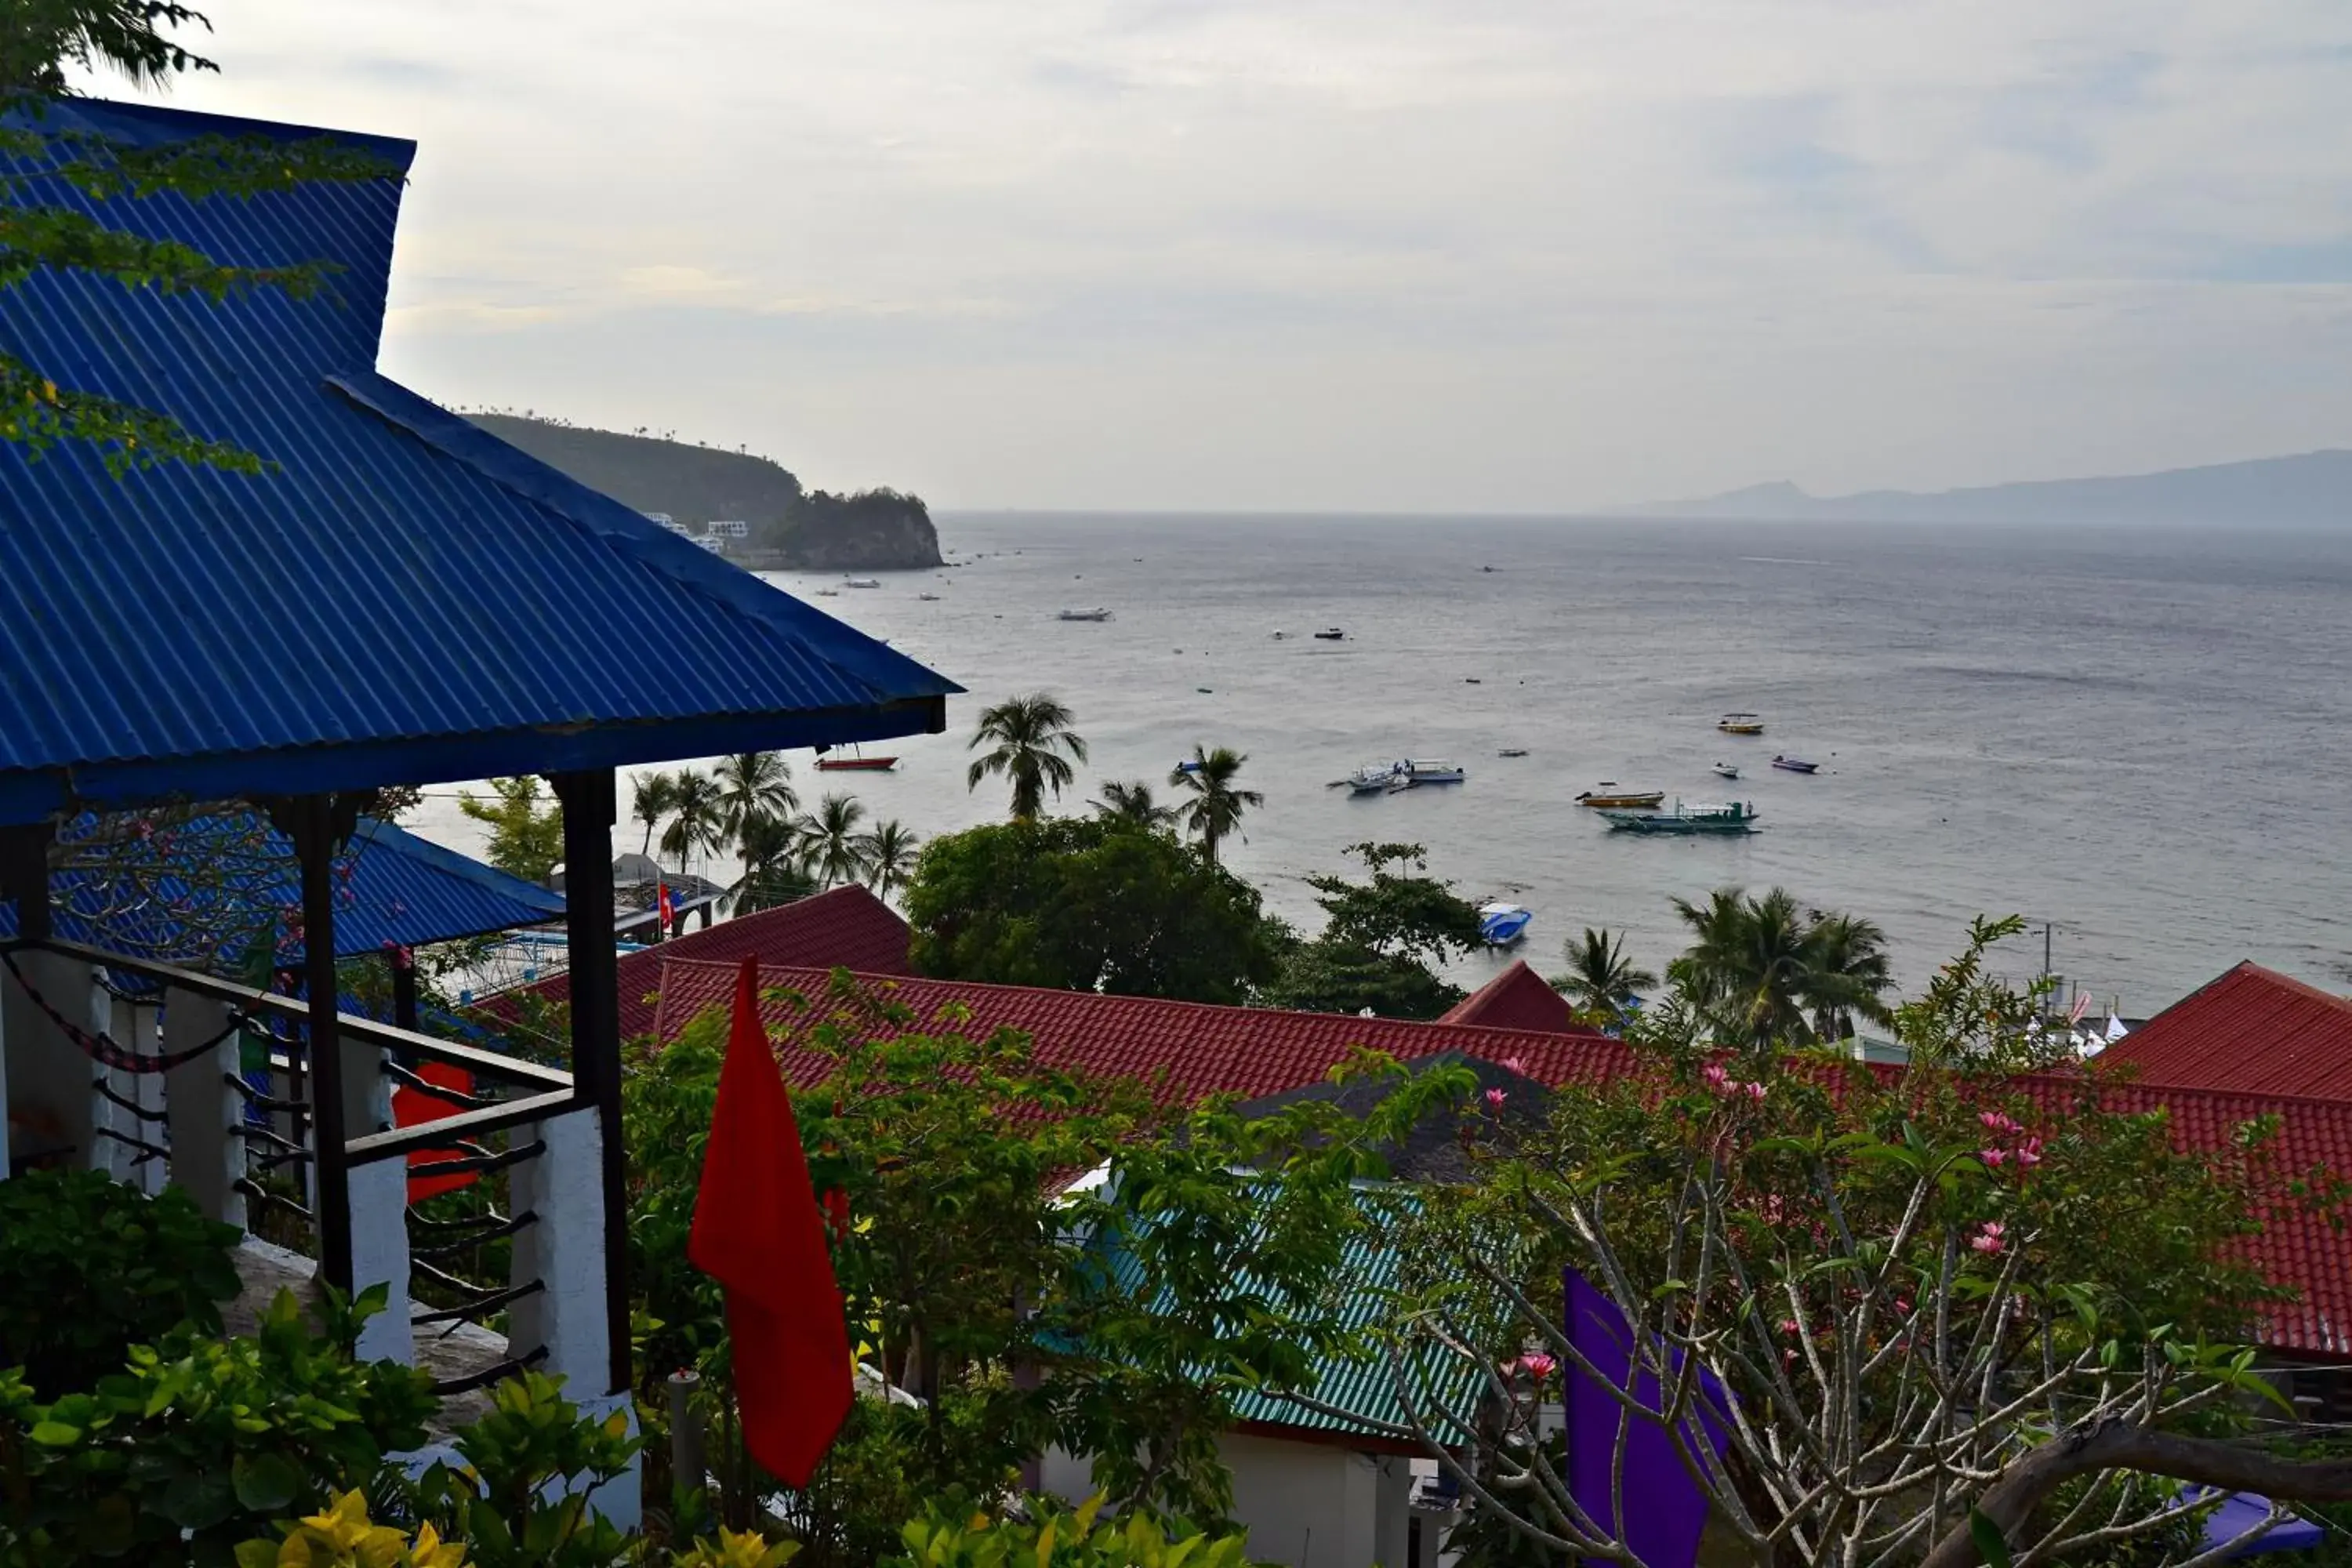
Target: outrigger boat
x,y
1330,634
1370,779
1413,772
1608,798
1094,614
1794,765
1735,816
1740,724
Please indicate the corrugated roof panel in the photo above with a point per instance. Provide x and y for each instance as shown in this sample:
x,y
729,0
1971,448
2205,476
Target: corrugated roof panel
x,y
399,890
404,599
2253,1029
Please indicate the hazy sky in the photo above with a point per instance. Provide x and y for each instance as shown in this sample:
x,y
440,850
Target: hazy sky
x,y
1497,255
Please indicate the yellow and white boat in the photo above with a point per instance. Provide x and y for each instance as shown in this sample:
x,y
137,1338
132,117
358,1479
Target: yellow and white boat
x,y
1740,724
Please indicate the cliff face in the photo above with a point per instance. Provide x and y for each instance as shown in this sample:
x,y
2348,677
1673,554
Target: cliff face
x,y
874,531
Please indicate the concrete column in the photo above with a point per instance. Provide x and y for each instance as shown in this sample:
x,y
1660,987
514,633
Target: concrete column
x,y
207,1151
1392,1512
367,1092
48,1077
564,1249
379,1257
564,1187
131,1024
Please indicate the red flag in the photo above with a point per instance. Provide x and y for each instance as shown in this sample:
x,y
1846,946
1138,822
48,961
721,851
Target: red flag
x,y
758,1233
663,911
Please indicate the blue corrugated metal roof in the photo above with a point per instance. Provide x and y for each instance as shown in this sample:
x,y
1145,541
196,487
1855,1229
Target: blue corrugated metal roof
x,y
394,888
404,599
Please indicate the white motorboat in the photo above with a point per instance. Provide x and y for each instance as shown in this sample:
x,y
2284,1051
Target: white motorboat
x,y
861,582
1371,778
1096,614
1726,771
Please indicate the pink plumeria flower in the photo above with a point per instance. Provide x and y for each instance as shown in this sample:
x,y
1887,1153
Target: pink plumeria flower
x,y
1538,1365
1996,1157
1788,1325
1718,1080
1495,1097
1756,1091
1998,1122
1989,1237
2028,1153
1515,1064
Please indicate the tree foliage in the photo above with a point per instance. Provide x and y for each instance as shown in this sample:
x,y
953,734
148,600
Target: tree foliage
x,y
1601,979
1032,746
526,827
1762,971
1217,804
1380,942
1086,905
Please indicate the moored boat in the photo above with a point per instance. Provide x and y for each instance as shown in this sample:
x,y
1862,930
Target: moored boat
x,y
1733,816
928,598
1096,614
1411,772
861,582
1794,765
1371,778
1330,634
1740,724
1726,769
1606,795
855,762
1501,925
1512,752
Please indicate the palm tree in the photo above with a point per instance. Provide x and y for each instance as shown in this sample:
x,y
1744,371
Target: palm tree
x,y
1750,965
695,817
652,796
831,850
1124,802
1600,976
889,855
1216,807
1030,735
1851,974
754,784
770,847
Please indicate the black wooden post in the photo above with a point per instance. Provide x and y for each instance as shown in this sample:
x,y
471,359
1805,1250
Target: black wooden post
x,y
24,877
312,829
589,812
403,988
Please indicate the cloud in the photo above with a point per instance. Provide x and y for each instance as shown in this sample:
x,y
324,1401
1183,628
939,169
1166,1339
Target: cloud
x,y
1356,253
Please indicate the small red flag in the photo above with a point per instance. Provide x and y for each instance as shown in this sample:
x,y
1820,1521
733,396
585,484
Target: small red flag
x,y
663,911
757,1231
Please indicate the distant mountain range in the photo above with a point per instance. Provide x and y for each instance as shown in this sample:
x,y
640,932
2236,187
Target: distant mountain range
x,y
2312,489
879,530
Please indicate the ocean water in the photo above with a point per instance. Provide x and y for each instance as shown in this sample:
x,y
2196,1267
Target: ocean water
x,y
2141,738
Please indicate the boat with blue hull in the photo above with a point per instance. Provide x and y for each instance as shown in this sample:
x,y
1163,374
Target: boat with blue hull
x,y
1502,925
1733,816
1794,765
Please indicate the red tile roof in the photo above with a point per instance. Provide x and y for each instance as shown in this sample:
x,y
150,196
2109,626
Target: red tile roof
x,y
845,928
1255,1052
2308,1255
1519,999
1248,1051
2252,1029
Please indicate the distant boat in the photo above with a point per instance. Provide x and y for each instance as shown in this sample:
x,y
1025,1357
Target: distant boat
x,y
1189,765
1735,816
827,594
1413,772
1331,634
1512,752
861,582
1372,778
1740,724
1501,925
1727,770
1608,796
1094,614
1794,765
856,762
928,598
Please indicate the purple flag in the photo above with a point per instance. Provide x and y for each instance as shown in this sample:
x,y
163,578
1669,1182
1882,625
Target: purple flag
x,y
1664,1509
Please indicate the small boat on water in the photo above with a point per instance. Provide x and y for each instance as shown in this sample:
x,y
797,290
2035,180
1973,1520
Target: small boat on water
x,y
1725,769
861,582
1372,778
1794,765
827,594
1412,773
1502,925
1740,724
928,598
1096,614
1330,634
856,762
1607,796
1734,816
1512,752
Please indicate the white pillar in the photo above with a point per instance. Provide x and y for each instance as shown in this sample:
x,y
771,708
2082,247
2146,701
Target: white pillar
x,y
48,1077
1392,1512
207,1149
564,1185
132,1025
379,1257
